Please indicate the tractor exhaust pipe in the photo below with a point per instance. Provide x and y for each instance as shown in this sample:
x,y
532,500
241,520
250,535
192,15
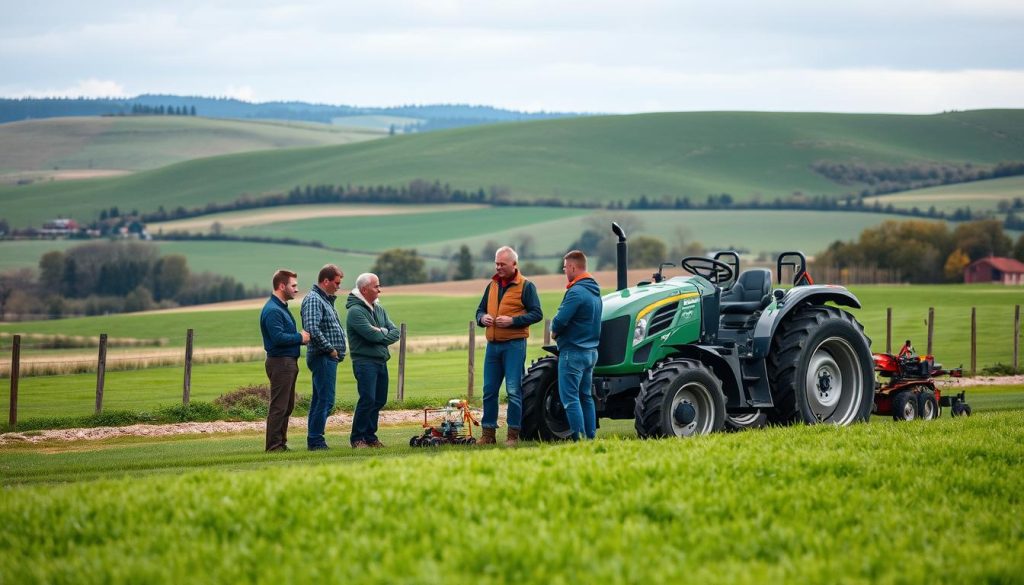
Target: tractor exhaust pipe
x,y
621,257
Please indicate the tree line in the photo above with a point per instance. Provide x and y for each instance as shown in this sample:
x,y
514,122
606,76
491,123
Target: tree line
x,y
923,252
883,179
97,278
146,110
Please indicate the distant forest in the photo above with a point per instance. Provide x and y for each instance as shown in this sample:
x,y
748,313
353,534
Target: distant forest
x,y
432,117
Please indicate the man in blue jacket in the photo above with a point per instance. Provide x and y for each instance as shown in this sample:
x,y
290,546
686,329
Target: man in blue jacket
x,y
282,344
577,330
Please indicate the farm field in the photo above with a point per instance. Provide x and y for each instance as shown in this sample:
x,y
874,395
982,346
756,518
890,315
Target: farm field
x,y
978,195
449,315
167,510
250,263
45,148
601,158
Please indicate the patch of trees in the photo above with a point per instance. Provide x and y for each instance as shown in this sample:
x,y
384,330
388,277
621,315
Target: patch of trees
x,y
147,110
97,278
399,266
882,179
923,252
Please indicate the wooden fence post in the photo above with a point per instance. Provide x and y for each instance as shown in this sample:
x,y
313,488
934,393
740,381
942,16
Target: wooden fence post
x,y
888,330
931,329
101,372
547,331
974,341
12,420
1016,339
186,391
401,365
472,359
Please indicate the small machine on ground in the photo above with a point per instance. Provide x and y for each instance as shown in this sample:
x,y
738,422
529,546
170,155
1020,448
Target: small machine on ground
x,y
451,425
909,389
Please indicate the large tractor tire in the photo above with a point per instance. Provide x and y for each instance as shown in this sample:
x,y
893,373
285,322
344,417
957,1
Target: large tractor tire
x,y
680,398
820,368
543,414
927,405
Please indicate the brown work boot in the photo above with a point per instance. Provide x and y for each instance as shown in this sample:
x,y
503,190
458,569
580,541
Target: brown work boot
x,y
513,438
487,438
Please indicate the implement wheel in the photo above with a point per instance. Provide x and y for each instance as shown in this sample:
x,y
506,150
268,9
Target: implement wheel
x,y
743,422
543,414
681,398
904,406
927,405
821,368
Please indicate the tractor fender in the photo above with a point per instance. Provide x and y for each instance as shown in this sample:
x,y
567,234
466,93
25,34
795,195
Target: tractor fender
x,y
776,313
725,369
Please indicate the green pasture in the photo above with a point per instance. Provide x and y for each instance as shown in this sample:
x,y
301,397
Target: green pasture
x,y
250,263
978,195
449,316
878,503
138,143
600,158
378,123
376,233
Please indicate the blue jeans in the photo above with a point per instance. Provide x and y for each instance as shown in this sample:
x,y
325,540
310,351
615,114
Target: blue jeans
x,y
575,378
504,360
372,384
324,369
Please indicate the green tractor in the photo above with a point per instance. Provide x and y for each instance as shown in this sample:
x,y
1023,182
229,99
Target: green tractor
x,y
717,350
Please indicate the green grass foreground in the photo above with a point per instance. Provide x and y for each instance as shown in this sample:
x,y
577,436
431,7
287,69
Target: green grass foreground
x,y
934,502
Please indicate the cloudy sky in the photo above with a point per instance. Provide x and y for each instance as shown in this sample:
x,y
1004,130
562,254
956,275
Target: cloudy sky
x,y
558,55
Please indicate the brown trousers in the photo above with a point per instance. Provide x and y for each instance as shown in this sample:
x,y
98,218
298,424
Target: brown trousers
x,y
282,372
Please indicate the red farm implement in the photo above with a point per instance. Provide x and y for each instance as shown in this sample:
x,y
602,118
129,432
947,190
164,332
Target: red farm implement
x,y
906,388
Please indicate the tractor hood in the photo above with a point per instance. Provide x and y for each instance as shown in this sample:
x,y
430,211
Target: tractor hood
x,y
634,300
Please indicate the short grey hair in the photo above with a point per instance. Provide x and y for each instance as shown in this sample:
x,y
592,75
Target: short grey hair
x,y
363,280
507,250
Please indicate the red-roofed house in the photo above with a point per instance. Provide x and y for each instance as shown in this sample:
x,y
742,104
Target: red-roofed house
x,y
995,270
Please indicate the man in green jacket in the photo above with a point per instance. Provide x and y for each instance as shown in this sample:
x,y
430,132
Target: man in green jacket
x,y
370,332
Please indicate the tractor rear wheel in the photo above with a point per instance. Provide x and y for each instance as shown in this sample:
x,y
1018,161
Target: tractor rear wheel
x,y
680,398
904,406
927,405
742,422
820,368
543,414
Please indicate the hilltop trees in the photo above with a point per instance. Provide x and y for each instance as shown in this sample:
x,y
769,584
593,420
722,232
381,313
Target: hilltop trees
x,y
111,277
399,266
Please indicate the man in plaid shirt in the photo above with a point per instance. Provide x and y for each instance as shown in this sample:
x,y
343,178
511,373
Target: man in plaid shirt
x,y
326,350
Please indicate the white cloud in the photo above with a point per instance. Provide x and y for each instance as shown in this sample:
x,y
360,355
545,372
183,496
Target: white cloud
x,y
89,88
244,93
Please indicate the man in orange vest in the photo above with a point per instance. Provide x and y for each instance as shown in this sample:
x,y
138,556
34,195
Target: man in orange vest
x,y
509,306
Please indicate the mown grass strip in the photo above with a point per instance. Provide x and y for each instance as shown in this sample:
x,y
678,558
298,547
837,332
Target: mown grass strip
x,y
935,502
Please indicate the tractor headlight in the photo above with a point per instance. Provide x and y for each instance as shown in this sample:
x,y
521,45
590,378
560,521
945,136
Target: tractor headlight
x,y
640,331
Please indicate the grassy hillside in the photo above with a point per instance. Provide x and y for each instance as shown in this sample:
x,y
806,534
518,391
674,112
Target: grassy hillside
x,y
147,142
786,505
978,195
606,158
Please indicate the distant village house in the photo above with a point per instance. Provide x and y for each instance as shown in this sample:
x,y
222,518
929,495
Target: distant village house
x,y
995,270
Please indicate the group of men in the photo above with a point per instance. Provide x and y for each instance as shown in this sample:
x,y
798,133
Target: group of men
x,y
370,332
509,306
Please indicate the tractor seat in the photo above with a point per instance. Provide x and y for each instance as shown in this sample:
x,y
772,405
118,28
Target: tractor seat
x,y
750,293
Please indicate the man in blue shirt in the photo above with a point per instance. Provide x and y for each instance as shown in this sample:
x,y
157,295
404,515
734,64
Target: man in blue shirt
x,y
577,330
282,343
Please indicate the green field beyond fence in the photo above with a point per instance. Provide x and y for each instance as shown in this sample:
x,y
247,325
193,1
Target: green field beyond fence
x,y
437,367
880,503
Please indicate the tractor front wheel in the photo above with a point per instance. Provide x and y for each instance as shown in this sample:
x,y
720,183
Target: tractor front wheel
x,y
821,368
543,414
680,398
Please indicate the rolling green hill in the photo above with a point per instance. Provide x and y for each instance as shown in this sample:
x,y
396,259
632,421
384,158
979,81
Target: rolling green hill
x,y
40,147
978,195
746,154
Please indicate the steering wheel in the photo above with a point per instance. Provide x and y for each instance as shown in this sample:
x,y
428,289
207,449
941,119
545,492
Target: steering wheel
x,y
715,271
